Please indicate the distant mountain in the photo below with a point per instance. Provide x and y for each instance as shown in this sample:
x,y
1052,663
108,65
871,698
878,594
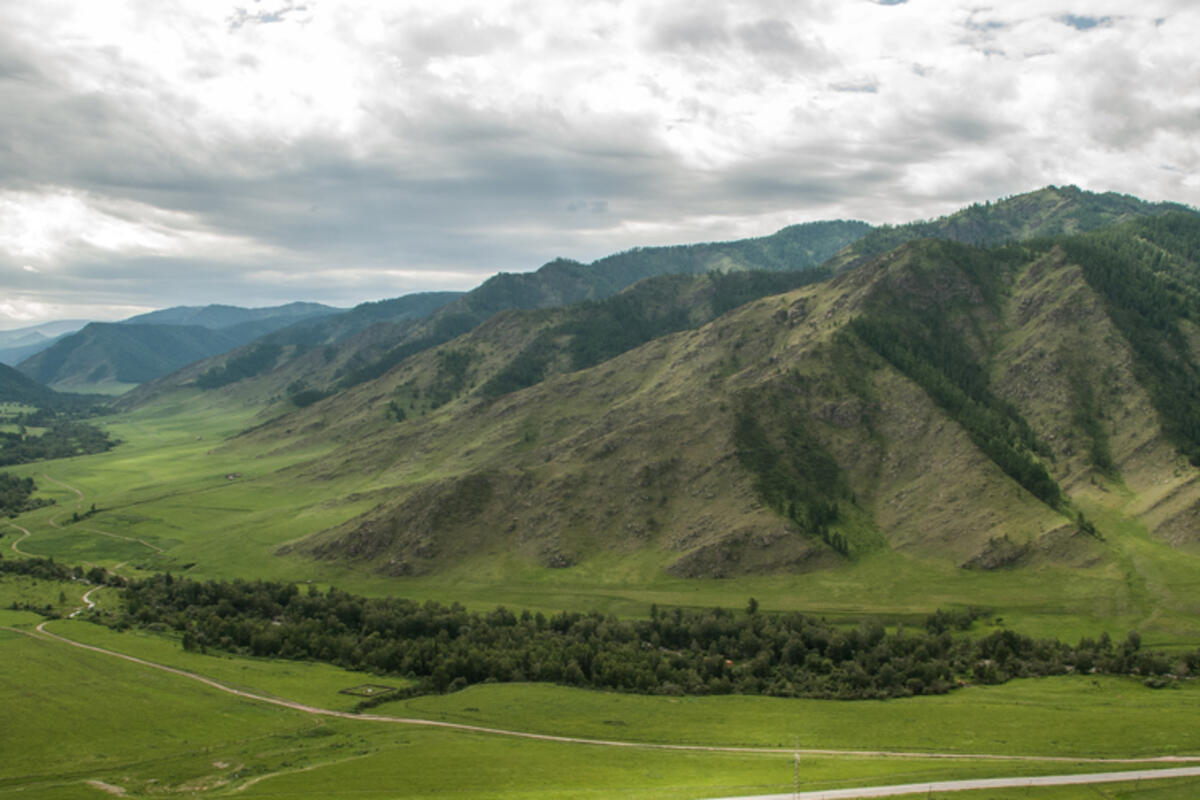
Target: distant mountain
x,y
113,356
308,341
18,388
19,344
288,359
221,316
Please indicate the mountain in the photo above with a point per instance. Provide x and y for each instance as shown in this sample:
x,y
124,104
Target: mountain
x,y
958,404
1052,211
113,356
309,346
221,316
19,344
17,388
289,364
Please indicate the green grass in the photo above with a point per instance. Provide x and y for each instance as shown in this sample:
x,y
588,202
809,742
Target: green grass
x,y
85,716
167,485
306,682
1065,716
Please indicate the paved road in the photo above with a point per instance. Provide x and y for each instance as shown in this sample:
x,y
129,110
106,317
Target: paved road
x,y
982,783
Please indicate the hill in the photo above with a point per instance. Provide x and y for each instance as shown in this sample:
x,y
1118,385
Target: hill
x,y
959,404
222,316
108,357
1052,211
310,344
109,354
17,388
289,364
19,344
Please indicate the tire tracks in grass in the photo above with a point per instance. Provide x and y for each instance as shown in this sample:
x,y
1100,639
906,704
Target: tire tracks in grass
x,y
53,521
41,632
25,535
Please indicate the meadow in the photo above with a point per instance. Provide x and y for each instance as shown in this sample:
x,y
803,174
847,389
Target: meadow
x,y
179,494
91,721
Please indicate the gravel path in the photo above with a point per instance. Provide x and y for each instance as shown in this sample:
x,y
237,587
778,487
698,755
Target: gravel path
x,y
778,751
982,783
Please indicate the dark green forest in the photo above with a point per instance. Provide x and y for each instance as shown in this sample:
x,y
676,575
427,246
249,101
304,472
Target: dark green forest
x,y
793,473
924,336
596,331
1148,272
673,651
63,439
16,495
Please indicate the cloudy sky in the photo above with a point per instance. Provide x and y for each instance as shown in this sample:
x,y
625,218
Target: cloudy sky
x,y
155,153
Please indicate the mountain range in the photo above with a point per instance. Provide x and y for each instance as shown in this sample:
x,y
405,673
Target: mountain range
x,y
948,399
113,356
1002,388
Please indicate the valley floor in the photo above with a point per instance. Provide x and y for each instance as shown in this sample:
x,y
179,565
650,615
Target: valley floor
x,y
81,721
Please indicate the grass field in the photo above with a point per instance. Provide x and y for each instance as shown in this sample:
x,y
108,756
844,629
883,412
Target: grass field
x,y
1067,716
180,494
91,717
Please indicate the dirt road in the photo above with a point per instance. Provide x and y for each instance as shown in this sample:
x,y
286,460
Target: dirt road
x,y
981,783
785,752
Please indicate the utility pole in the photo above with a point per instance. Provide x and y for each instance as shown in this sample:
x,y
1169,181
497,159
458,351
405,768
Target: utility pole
x,y
796,771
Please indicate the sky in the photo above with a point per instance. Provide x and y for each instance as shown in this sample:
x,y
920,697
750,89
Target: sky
x,y
157,153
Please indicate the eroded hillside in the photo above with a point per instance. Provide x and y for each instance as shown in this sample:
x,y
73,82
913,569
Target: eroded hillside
x,y
942,400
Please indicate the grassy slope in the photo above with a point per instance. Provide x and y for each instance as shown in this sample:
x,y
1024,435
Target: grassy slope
x,y
86,716
372,351
169,488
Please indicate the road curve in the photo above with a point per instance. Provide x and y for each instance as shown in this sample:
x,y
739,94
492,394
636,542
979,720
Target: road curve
x,y
87,598
16,542
981,783
78,493
53,521
777,751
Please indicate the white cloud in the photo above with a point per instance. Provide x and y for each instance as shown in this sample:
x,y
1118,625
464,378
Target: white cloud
x,y
50,225
223,149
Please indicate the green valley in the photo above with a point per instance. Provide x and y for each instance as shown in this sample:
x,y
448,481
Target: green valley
x,y
991,416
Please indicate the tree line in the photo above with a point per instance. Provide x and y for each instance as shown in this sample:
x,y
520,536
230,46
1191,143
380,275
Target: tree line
x,y
675,651
16,495
63,439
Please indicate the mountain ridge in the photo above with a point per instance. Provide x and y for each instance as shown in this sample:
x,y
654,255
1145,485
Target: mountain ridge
x,y
920,474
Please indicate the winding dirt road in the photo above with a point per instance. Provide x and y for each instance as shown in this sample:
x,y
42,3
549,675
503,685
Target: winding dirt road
x,y
828,794
787,752
53,521
16,542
